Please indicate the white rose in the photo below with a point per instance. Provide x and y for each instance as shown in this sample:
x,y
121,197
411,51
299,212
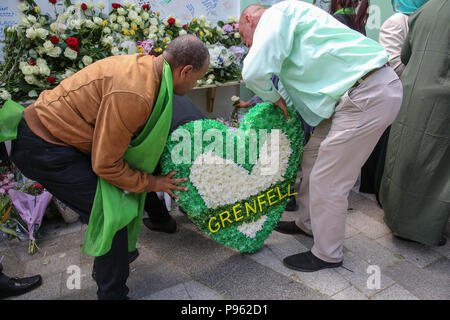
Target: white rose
x,y
22,64
31,33
211,76
71,54
27,70
44,69
68,73
145,15
41,62
5,95
237,35
115,51
98,21
202,20
36,70
209,81
54,26
30,79
108,40
31,19
75,24
62,27
112,17
42,33
107,30
182,32
178,23
121,19
231,20
89,5
154,21
132,15
89,24
48,45
23,7
121,11
138,20
125,25
32,93
24,21
100,5
87,60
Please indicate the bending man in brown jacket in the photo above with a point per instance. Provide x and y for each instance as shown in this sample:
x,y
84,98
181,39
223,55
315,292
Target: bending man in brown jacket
x,y
80,130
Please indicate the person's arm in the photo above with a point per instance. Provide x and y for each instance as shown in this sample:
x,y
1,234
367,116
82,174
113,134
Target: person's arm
x,y
120,117
272,43
392,36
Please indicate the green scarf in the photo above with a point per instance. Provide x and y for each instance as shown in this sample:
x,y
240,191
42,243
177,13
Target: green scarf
x,y
114,208
345,11
10,115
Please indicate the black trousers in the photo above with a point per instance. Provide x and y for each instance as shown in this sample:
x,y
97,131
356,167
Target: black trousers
x,y
67,174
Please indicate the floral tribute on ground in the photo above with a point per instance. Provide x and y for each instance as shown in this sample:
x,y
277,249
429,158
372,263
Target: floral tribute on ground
x,y
39,52
239,181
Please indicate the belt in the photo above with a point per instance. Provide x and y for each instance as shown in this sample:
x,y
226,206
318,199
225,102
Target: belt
x,y
358,82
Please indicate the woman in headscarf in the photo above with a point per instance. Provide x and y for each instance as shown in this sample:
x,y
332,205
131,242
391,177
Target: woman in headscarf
x,y
415,187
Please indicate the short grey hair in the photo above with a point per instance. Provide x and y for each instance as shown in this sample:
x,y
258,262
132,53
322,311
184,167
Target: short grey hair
x,y
187,50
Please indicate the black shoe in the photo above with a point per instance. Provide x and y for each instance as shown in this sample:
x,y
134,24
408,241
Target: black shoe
x,y
10,287
307,262
292,205
167,227
289,227
131,257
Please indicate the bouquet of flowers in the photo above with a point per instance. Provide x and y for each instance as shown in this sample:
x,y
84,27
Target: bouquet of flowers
x,y
31,201
39,52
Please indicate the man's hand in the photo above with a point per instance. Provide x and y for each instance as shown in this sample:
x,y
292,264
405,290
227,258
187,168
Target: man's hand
x,y
165,184
242,104
282,105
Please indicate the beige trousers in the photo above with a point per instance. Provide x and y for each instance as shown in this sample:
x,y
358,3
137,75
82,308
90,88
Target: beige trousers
x,y
334,155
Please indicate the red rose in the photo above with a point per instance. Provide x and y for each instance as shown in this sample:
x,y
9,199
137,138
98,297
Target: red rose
x,y
38,186
51,79
52,1
185,26
116,5
32,63
54,39
146,7
84,6
73,43
171,21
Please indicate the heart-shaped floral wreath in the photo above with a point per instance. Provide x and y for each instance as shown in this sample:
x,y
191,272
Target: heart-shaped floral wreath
x,y
237,200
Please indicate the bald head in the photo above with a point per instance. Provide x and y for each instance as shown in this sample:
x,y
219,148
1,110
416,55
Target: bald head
x,y
249,21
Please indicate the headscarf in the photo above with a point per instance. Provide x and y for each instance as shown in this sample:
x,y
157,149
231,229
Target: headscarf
x,y
407,6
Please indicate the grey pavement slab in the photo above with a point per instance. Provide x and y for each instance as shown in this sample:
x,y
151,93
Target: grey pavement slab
x,y
419,254
395,292
198,291
58,262
423,283
356,272
370,251
351,293
369,207
176,292
364,223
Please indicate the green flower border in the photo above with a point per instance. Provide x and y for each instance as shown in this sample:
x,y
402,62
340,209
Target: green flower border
x,y
262,116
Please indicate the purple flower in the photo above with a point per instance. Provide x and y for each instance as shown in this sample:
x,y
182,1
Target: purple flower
x,y
228,28
236,26
146,46
238,52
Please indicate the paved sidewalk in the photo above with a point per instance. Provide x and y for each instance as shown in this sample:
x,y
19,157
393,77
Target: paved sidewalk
x,y
188,265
